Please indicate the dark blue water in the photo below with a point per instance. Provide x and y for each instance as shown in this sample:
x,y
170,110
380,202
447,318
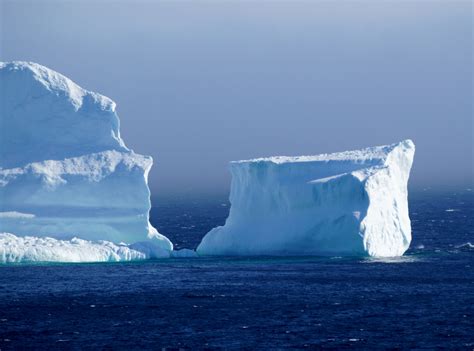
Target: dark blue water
x,y
423,301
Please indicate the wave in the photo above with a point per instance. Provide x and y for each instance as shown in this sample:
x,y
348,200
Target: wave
x,y
393,260
466,246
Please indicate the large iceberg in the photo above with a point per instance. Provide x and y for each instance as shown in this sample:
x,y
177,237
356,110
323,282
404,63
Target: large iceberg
x,y
351,203
65,172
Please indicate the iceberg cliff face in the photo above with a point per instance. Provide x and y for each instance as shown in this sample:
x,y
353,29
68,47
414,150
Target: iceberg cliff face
x,y
64,170
349,203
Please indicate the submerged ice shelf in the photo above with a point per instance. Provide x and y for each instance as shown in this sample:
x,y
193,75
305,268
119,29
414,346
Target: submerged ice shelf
x,y
65,171
348,203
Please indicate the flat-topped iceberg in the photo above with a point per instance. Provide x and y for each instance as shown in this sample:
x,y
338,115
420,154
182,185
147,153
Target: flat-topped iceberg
x,y
351,203
65,172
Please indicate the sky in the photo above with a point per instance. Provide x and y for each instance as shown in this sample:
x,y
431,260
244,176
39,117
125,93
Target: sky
x,y
200,83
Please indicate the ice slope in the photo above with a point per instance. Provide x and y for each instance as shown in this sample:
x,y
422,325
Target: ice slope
x,y
348,203
64,170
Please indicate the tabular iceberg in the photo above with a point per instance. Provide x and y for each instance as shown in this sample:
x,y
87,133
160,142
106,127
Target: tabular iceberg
x,y
351,203
65,172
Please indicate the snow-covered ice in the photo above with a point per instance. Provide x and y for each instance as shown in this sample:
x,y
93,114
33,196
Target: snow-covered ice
x,y
65,172
347,203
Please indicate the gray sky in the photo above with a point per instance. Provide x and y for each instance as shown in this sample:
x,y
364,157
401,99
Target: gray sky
x,y
199,84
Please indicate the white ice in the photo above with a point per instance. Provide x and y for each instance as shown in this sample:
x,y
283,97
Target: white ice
x,y
348,203
65,172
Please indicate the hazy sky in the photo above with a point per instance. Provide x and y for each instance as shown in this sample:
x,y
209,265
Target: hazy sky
x,y
199,84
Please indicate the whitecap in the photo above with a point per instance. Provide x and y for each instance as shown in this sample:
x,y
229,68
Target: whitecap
x,y
467,246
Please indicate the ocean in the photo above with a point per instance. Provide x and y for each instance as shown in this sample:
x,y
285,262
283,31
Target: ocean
x,y
423,300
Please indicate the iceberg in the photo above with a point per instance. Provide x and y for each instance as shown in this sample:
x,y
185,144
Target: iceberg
x,y
352,203
66,173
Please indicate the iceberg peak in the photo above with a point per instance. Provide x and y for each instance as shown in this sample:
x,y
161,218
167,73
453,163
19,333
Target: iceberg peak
x,y
46,116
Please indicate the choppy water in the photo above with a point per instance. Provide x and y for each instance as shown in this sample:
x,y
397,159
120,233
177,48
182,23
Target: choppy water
x,y
422,300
